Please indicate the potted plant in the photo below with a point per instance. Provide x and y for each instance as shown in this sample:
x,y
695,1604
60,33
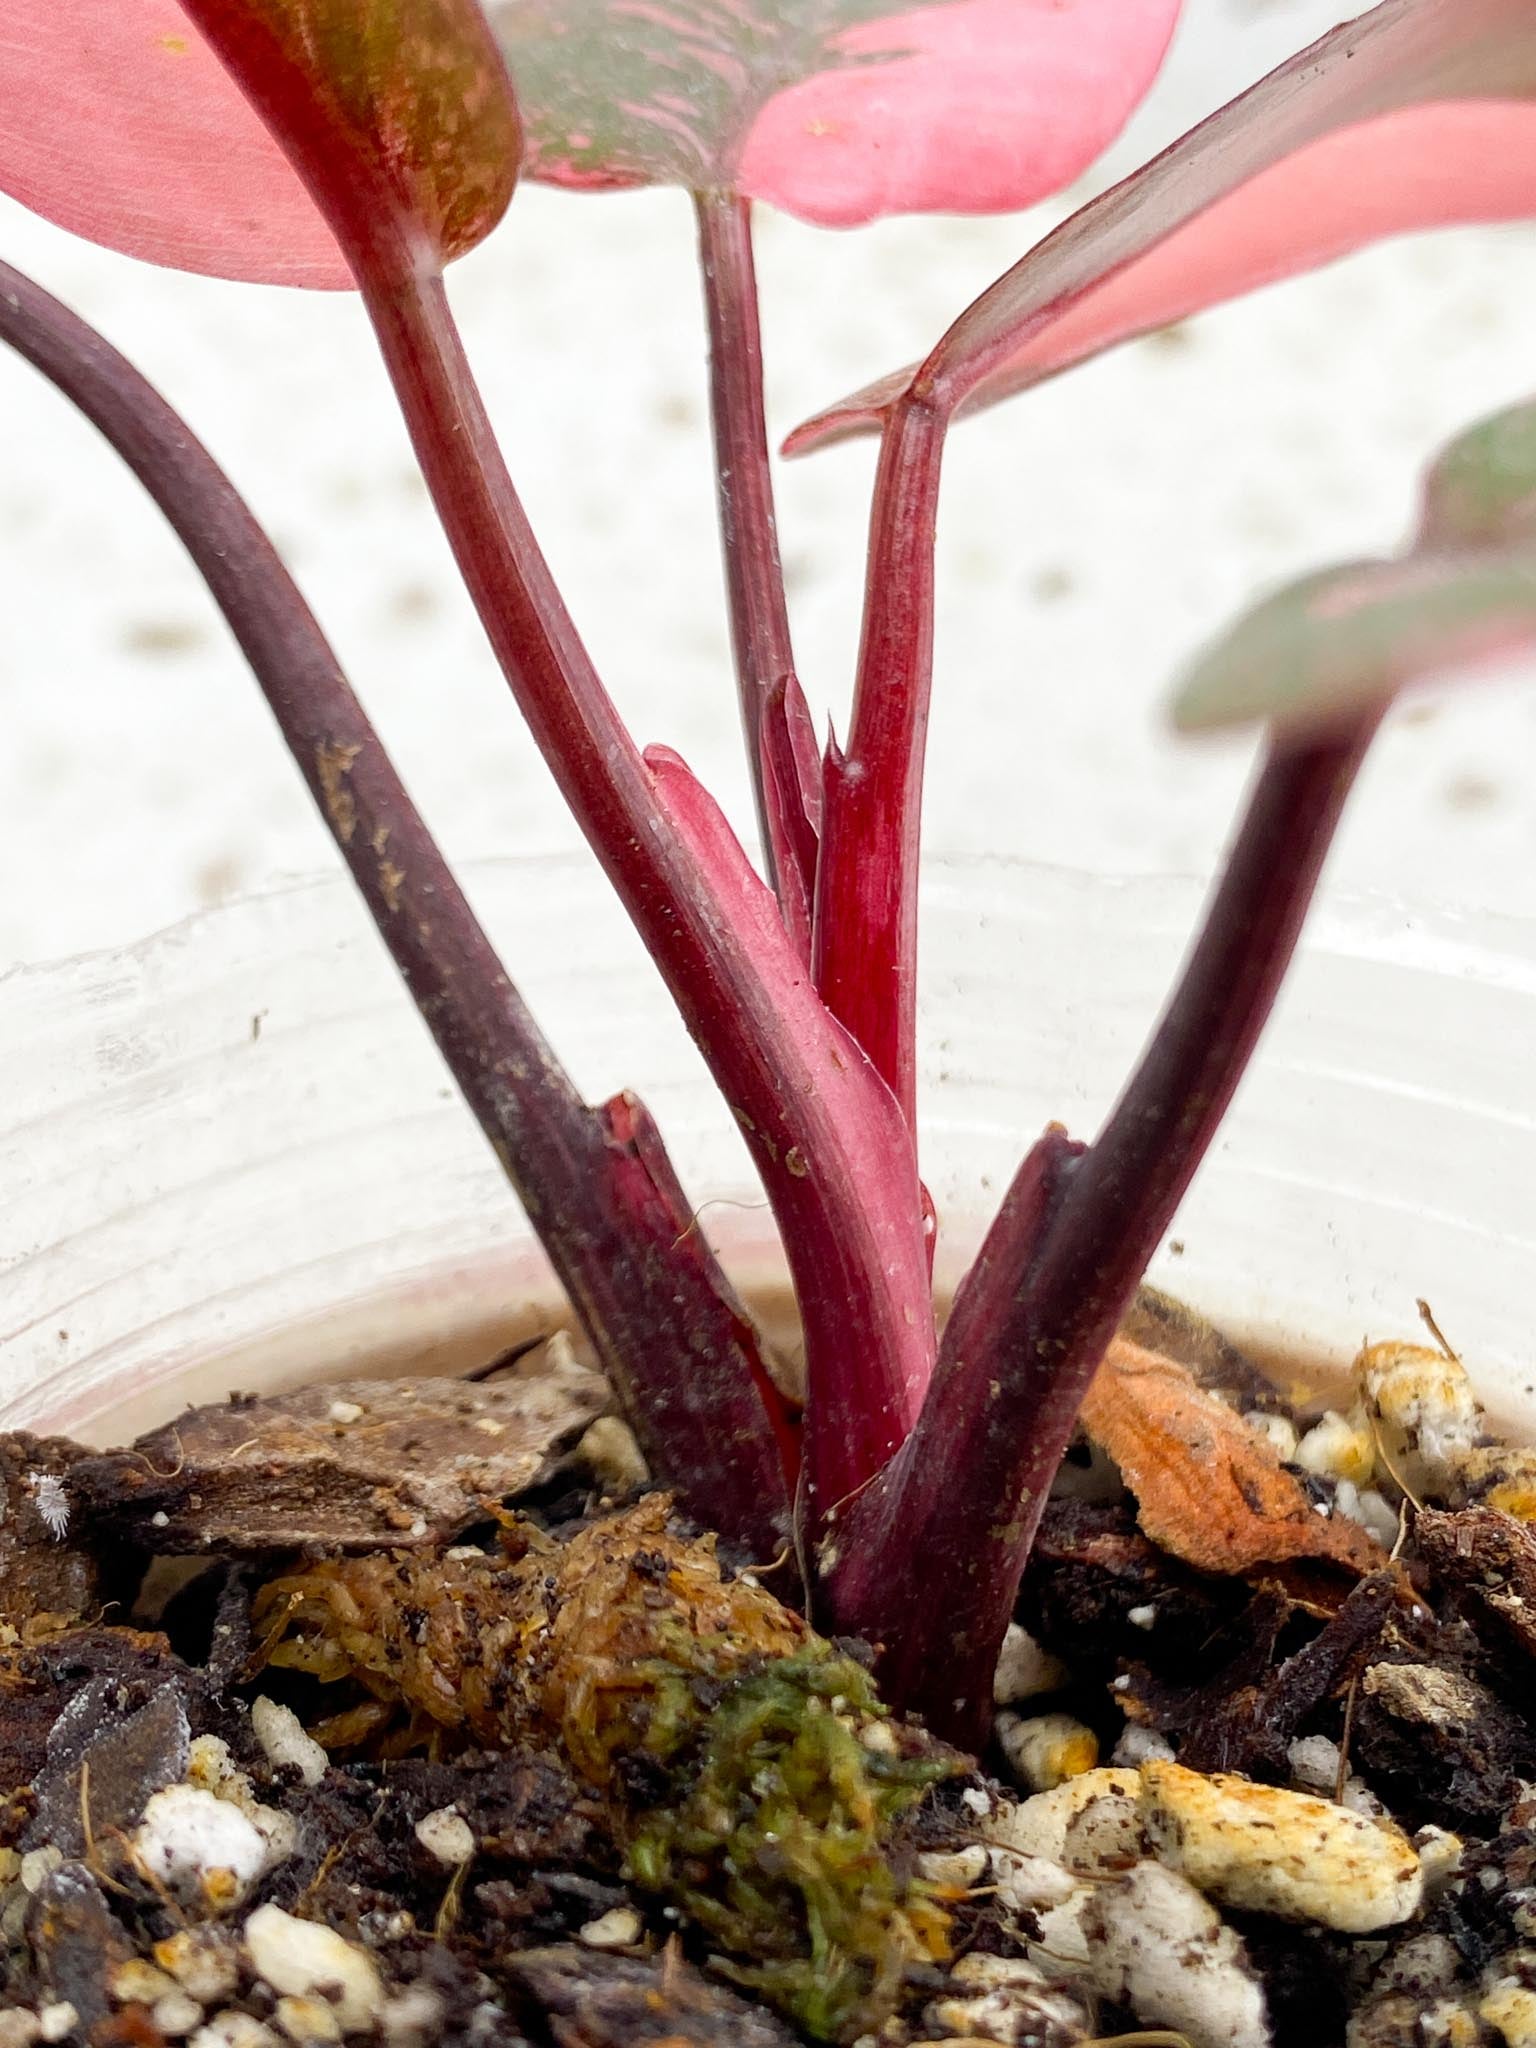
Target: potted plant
x,y
371,145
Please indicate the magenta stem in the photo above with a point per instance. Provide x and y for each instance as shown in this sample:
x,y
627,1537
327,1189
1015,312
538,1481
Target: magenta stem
x,y
781,749
851,1223
930,1560
866,892
665,1323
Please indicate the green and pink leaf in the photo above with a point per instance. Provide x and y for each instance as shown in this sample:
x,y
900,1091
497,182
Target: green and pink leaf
x,y
1420,114
1342,642
399,120
1481,491
1329,647
836,110
119,122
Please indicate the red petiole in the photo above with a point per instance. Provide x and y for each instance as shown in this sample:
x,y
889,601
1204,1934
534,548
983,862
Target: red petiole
x,y
781,745
677,1344
836,1160
866,890
930,1556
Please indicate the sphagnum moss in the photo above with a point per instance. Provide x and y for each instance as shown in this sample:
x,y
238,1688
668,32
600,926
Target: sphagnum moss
x,y
783,1780
777,1841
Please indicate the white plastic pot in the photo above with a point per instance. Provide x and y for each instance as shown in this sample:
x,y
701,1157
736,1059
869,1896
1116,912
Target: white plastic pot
x,y
230,1157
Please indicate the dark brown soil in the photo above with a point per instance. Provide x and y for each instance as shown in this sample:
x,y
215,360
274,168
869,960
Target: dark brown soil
x,y
136,1632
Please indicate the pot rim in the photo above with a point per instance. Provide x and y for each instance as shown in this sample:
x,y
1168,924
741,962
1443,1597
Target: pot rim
x,y
155,1128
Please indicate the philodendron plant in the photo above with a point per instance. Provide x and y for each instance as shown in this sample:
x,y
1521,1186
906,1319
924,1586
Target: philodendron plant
x,y
364,144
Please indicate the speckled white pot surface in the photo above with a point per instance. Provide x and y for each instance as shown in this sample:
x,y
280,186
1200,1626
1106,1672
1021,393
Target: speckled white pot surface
x,y
1091,535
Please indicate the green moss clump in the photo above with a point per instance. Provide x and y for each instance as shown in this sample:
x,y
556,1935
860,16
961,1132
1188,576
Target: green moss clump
x,y
775,1839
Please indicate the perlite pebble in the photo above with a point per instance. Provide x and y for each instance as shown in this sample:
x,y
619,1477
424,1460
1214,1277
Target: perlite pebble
x,y
18,2029
39,1864
413,2018
202,1960
1372,1510
212,1768
380,1929
1417,1993
1440,1854
285,1740
1278,1431
1156,1945
199,1847
307,2020
56,2022
176,2014
1314,1761
300,1958
1096,1813
1004,1998
1426,1413
1046,1750
447,1835
234,2030
1501,1476
1401,2017
1511,2008
1029,1884
958,1869
1427,1964
1314,1764
613,1456
1024,1670
137,1982
618,1928
1138,1745
1270,1851
1339,1447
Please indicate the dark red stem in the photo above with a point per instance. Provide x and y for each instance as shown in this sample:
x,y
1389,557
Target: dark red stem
x,y
597,1187
835,1157
846,1201
781,746
930,1558
866,887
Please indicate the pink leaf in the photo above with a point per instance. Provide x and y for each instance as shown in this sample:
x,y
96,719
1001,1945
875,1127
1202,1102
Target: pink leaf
x,y
836,110
119,123
1344,641
980,107
1421,114
1334,645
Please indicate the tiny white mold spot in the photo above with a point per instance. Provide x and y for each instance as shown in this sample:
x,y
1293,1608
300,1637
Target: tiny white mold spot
x,y
52,1503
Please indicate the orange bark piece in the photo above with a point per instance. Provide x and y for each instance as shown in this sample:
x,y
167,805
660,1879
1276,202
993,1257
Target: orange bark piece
x,y
1207,1489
